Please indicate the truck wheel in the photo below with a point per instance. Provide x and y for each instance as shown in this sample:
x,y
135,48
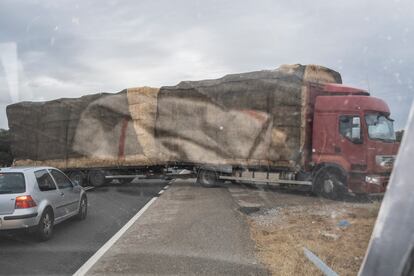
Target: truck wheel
x,y
329,184
97,178
207,179
77,177
83,208
45,226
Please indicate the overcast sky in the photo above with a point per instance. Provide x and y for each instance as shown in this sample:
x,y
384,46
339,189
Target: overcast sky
x,y
52,49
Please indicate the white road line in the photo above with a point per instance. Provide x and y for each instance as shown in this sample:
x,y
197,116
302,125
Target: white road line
x,y
95,258
164,189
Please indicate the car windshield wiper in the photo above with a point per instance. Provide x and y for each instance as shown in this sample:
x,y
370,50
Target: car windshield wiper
x,y
6,192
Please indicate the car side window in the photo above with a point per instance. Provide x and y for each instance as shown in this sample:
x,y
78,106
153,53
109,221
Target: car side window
x,y
44,181
62,180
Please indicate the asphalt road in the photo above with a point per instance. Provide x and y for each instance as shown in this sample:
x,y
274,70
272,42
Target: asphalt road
x,y
189,230
74,242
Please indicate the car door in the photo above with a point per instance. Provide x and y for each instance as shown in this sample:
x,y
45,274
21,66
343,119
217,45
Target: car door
x,y
49,191
70,195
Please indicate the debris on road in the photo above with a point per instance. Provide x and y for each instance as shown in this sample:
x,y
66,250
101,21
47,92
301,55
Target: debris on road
x,y
319,263
330,236
343,223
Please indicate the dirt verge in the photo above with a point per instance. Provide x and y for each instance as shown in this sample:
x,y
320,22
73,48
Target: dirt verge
x,y
337,233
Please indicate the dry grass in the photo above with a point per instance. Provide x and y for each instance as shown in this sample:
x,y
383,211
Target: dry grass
x,y
280,243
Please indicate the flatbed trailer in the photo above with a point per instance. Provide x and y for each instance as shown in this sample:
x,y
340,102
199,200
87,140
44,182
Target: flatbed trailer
x,y
295,126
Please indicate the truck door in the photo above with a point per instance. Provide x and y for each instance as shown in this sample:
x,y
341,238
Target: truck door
x,y
350,141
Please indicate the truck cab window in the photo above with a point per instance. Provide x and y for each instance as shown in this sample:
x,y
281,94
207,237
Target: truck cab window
x,y
44,181
350,128
380,127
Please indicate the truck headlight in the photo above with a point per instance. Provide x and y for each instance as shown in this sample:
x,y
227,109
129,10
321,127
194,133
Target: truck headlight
x,y
373,179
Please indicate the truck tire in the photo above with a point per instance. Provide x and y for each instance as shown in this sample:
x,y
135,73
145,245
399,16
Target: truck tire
x,y
77,177
45,226
207,178
330,184
97,178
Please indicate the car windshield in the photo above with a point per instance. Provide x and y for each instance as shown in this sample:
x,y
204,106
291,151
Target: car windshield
x,y
380,127
12,183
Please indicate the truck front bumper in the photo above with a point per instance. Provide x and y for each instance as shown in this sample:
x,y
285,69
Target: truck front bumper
x,y
368,184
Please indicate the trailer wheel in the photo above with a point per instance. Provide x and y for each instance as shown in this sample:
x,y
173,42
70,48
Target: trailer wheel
x,y
77,177
97,178
330,184
207,178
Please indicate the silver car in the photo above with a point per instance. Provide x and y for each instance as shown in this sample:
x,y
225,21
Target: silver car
x,y
38,198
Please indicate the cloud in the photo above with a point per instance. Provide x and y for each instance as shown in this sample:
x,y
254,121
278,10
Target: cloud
x,y
8,58
70,48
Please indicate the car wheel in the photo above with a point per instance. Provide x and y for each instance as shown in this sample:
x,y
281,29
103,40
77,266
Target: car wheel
x,y
83,208
45,227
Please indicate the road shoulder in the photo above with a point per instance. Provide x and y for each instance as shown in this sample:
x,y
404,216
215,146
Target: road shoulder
x,y
284,222
188,230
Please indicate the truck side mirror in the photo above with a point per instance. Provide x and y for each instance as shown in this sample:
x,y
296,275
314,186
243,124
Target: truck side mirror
x,y
356,130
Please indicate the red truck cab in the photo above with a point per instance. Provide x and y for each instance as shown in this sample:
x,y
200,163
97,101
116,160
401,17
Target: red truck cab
x,y
353,136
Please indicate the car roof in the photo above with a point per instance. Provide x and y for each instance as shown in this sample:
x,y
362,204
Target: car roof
x,y
22,169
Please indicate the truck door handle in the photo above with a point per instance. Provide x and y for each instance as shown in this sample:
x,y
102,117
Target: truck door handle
x,y
337,149
62,193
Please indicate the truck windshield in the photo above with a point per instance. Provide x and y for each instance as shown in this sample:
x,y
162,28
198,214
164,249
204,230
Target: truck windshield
x,y
12,183
380,127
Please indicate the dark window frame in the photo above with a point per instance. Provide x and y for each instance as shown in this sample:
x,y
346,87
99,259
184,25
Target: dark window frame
x,y
65,176
51,178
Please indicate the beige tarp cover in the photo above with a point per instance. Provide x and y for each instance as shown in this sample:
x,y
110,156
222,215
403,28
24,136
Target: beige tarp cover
x,y
255,118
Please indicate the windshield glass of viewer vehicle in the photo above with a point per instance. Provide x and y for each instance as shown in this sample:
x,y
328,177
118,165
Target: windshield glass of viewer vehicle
x,y
202,137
